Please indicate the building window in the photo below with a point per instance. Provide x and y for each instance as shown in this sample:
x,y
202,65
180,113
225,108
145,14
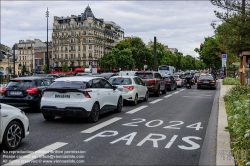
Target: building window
x,y
79,48
90,47
90,40
90,25
90,55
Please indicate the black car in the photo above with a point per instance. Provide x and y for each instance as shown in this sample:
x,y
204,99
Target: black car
x,y
25,92
206,81
170,83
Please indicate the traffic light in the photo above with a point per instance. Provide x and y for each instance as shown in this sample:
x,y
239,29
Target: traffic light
x,y
201,47
145,61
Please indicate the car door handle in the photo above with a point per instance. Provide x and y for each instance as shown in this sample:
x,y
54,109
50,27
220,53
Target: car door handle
x,y
4,115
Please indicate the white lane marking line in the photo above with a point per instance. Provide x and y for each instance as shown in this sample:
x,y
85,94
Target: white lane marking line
x,y
136,109
39,153
175,92
167,96
101,125
155,101
182,89
197,96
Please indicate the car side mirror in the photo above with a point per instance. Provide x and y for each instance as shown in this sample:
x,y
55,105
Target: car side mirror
x,y
114,87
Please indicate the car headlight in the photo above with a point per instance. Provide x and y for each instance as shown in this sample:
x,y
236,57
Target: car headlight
x,y
22,112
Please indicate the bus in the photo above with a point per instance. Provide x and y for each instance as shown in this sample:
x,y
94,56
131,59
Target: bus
x,y
166,70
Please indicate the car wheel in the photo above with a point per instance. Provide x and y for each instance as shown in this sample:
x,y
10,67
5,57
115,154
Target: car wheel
x,y
157,93
135,101
164,91
48,117
95,113
13,136
119,105
146,96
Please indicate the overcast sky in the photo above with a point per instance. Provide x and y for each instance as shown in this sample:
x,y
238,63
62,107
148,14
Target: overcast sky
x,y
178,24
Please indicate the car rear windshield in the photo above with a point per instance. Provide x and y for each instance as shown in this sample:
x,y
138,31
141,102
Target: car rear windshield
x,y
68,85
176,76
21,83
144,75
120,81
206,78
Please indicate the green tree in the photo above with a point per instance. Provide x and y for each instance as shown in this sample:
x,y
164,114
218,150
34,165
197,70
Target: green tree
x,y
211,52
65,68
24,70
108,61
124,58
234,32
45,69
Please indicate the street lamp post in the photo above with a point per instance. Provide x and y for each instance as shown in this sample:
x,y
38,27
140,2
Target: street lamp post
x,y
47,56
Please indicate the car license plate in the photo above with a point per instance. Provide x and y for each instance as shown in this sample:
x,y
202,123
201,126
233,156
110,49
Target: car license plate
x,y
62,96
187,84
15,93
205,82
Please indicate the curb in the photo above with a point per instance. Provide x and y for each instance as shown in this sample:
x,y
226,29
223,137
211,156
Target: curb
x,y
223,151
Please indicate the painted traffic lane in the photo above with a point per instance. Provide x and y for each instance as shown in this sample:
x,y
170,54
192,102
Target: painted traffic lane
x,y
170,131
173,143
43,133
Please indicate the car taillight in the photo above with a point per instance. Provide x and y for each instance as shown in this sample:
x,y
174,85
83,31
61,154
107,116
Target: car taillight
x,y
129,87
152,81
86,93
212,81
177,79
3,90
32,91
168,81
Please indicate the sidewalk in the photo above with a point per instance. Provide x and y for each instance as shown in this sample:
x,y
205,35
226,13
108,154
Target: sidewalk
x,y
223,151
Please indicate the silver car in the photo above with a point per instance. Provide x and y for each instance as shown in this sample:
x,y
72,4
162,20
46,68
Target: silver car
x,y
179,80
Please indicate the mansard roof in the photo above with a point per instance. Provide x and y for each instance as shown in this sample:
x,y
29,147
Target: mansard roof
x,y
87,13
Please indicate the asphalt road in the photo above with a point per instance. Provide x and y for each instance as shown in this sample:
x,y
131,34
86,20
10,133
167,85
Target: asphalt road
x,y
166,130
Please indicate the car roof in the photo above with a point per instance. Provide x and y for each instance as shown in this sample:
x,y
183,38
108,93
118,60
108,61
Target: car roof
x,y
147,72
76,78
123,76
29,78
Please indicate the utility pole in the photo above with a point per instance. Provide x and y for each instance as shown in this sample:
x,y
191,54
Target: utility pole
x,y
154,53
14,59
47,56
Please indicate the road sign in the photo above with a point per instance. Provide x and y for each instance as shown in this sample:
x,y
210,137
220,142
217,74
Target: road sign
x,y
224,60
224,56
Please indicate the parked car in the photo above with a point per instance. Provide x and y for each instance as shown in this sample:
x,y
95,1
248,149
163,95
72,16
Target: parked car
x,y
80,97
179,80
154,81
25,92
170,83
14,126
132,88
108,75
206,81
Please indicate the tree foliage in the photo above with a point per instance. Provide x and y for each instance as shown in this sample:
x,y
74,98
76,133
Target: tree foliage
x,y
108,61
234,32
46,69
65,68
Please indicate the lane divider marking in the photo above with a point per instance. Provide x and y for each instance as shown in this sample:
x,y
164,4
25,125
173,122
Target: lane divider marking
x,y
101,125
155,101
136,109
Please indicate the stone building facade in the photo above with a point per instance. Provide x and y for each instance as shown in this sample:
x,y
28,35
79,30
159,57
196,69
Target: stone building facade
x,y
82,40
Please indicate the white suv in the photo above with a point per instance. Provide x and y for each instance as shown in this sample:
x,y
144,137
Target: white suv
x,y
132,88
80,97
